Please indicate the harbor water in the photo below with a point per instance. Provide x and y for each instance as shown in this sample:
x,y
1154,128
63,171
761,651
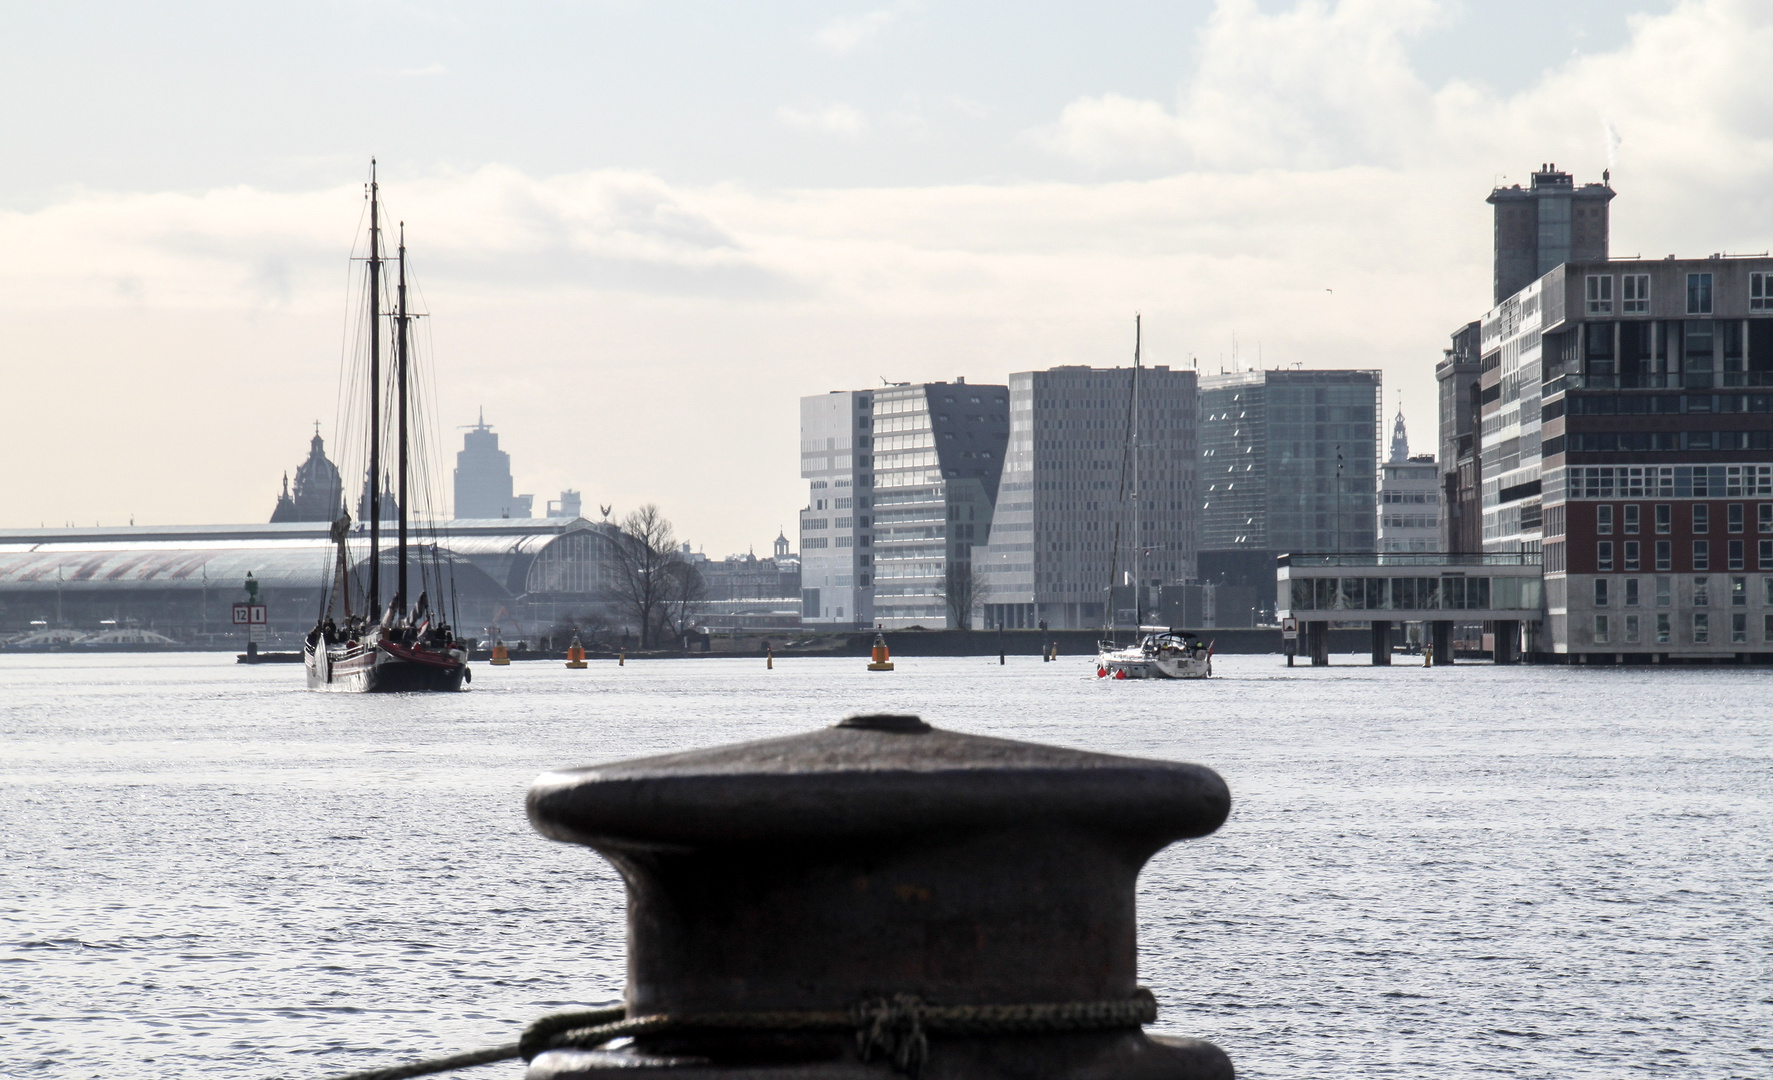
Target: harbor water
x,y
1457,872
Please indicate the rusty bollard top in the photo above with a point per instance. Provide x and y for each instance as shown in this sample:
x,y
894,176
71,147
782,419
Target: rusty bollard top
x,y
880,856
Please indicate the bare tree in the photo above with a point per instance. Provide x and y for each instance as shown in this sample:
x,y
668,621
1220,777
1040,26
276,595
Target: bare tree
x,y
644,551
687,588
964,587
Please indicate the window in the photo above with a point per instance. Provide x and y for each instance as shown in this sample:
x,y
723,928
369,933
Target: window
x,y
1767,627
1766,513
1735,555
1733,517
1600,592
1603,520
1663,588
1699,294
1664,517
1631,555
1664,555
1600,621
1760,292
1631,629
1600,294
1634,294
1702,554
842,504
1701,628
1662,630
1631,592
1738,592
1603,556
1701,592
1767,591
1631,520
1701,519
1767,554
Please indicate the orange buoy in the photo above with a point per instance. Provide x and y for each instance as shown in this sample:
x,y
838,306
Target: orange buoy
x,y
575,654
880,661
500,655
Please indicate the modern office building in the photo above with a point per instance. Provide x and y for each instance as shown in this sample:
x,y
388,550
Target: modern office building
x,y
1627,429
1458,375
1546,224
483,478
902,484
1069,485
1409,497
1288,463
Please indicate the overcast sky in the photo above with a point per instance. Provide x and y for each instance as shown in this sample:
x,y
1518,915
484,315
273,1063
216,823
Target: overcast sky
x,y
645,229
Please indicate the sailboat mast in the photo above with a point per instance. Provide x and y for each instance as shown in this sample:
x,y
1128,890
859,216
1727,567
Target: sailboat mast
x,y
1138,535
375,399
400,589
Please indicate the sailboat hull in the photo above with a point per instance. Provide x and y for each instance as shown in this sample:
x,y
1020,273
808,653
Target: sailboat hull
x,y
356,667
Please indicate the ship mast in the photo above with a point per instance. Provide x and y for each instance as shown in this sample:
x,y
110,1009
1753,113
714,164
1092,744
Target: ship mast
x,y
1138,536
401,322
375,400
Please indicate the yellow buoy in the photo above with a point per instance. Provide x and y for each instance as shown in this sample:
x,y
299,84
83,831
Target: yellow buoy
x,y
622,658
500,657
575,654
769,660
880,661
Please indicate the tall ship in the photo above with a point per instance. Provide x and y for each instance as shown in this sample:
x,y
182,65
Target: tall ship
x,y
1158,652
360,643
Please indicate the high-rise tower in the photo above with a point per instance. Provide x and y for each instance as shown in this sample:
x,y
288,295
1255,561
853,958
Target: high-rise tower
x,y
483,478
1545,225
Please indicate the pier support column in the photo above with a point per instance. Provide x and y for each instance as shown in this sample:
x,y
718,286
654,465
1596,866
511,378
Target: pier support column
x,y
1508,642
1381,643
1441,636
1318,634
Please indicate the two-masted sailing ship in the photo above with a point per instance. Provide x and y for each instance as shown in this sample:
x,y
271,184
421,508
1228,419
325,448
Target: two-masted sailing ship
x,y
359,643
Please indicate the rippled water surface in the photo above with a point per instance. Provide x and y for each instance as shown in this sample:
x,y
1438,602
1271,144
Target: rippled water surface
x,y
1461,872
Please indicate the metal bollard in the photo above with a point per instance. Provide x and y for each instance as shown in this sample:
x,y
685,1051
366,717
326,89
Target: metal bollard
x,y
882,897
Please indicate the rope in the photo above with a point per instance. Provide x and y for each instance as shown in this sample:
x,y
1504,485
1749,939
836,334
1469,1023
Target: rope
x,y
896,1029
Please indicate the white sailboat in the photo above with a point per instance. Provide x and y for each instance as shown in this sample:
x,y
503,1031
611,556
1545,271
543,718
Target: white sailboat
x,y
1161,652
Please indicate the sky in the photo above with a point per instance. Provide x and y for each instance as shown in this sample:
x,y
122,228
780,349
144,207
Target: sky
x,y
645,229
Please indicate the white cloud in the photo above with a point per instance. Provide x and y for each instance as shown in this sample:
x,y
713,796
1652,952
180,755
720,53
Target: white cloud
x,y
837,119
613,306
842,36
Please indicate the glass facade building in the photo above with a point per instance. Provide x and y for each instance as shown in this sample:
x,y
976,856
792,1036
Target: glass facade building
x,y
1288,463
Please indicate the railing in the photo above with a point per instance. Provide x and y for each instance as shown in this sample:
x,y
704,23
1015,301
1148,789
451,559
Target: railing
x,y
1431,559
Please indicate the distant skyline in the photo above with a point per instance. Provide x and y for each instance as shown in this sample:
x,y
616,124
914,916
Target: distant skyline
x,y
644,231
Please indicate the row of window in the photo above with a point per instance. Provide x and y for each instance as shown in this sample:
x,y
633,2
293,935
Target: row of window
x,y
1700,633
1669,481
1629,594
1610,442
1735,553
1634,293
1734,515
1653,405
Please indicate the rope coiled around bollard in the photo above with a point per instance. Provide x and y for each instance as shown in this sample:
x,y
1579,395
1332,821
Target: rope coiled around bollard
x,y
895,1029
